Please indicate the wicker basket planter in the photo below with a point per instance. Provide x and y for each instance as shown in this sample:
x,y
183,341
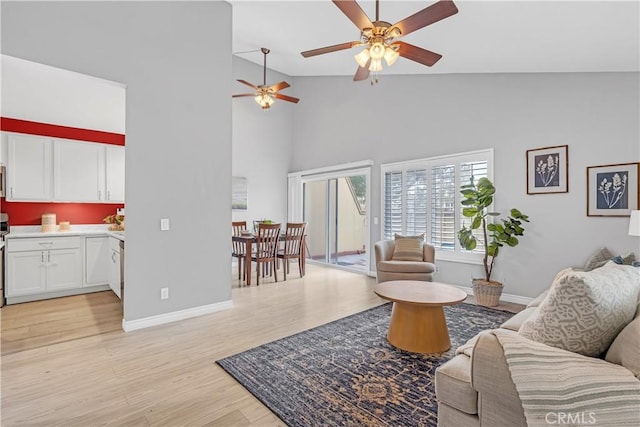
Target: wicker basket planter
x,y
486,293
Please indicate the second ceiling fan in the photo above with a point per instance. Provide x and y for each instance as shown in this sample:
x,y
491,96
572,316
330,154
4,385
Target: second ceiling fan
x,y
265,95
379,37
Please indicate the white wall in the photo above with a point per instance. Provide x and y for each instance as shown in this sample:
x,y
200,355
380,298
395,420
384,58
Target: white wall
x,y
262,144
410,117
45,94
175,58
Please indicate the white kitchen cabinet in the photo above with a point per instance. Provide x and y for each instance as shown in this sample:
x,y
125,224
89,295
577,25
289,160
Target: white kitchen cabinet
x,y
59,170
29,168
64,269
114,266
43,265
26,273
78,171
3,149
97,261
114,164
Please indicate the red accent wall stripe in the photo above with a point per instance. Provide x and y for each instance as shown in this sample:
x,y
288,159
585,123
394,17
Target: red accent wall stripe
x,y
27,213
56,131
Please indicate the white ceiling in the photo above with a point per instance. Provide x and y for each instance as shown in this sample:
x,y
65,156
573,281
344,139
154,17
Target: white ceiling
x,y
483,37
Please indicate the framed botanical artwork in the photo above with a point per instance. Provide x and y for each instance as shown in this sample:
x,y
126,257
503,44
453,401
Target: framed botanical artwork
x,y
548,170
612,190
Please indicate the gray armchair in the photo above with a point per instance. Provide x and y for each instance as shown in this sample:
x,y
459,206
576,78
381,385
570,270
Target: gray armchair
x,y
387,269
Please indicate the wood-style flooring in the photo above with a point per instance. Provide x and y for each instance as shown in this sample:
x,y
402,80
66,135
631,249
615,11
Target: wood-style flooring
x,y
166,375
42,323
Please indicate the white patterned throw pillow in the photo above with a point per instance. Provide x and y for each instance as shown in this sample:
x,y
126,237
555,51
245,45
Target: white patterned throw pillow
x,y
585,311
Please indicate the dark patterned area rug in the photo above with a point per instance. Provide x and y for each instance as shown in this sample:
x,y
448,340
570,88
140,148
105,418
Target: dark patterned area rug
x,y
346,373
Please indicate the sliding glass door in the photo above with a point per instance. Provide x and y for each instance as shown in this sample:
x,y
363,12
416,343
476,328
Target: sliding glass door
x,y
335,209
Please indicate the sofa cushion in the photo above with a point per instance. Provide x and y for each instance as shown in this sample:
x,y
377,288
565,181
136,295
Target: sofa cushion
x,y
598,259
453,385
625,349
585,311
407,250
628,259
406,267
516,321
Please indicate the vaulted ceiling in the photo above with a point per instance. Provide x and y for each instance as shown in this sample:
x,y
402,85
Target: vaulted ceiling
x,y
483,37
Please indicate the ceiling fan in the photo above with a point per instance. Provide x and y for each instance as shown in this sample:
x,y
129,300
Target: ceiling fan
x,y
264,95
380,37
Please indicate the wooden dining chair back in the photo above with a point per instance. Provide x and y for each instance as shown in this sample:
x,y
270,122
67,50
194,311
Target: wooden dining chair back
x,y
239,249
293,247
266,247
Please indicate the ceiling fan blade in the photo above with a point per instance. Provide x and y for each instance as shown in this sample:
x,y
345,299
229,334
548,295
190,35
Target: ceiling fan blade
x,y
354,12
418,54
362,72
286,98
279,86
243,94
328,49
248,84
427,16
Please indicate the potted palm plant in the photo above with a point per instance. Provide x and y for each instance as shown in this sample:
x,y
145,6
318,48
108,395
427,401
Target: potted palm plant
x,y
477,199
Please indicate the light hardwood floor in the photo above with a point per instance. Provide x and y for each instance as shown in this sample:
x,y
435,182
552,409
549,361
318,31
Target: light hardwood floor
x,y
42,323
167,375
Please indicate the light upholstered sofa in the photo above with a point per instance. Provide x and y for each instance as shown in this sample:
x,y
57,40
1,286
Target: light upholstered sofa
x,y
389,269
477,387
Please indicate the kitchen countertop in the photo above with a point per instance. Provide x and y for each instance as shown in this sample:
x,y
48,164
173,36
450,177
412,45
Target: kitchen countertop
x,y
26,231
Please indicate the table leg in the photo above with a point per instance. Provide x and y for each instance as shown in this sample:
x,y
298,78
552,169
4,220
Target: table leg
x,y
418,328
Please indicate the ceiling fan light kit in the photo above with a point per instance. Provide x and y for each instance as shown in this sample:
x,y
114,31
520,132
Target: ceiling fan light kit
x,y
379,37
265,95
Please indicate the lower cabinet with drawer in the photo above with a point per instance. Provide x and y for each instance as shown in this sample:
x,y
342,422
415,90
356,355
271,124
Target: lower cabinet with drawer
x,y
42,265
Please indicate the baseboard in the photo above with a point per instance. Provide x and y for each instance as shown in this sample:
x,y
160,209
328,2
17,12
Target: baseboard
x,y
161,319
504,297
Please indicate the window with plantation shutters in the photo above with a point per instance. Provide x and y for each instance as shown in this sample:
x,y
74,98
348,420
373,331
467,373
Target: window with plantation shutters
x,y
443,207
423,197
392,204
405,202
475,170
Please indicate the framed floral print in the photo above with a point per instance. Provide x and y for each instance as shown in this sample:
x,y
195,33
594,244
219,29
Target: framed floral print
x,y
548,170
612,190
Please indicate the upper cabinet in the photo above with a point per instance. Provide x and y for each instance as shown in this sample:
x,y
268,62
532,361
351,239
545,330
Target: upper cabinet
x,y
46,169
114,156
78,171
29,168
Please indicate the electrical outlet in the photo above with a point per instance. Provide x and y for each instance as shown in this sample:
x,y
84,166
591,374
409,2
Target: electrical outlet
x,y
164,293
437,268
164,224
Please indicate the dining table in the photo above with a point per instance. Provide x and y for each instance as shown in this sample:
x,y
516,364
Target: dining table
x,y
250,239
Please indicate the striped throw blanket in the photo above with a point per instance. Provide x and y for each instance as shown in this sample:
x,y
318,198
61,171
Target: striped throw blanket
x,y
558,387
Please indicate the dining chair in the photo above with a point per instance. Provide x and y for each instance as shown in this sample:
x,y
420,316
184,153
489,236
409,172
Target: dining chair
x,y
266,247
293,247
239,249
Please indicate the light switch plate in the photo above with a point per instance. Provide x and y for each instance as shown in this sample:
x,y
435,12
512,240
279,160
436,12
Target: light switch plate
x,y
164,224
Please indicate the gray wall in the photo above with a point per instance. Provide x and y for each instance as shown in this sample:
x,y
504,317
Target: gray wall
x,y
410,117
175,58
262,144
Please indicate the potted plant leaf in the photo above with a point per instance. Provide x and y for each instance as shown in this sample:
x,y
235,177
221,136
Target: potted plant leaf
x,y
477,200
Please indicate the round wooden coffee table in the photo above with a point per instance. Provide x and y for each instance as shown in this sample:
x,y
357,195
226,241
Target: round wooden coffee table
x,y
417,318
